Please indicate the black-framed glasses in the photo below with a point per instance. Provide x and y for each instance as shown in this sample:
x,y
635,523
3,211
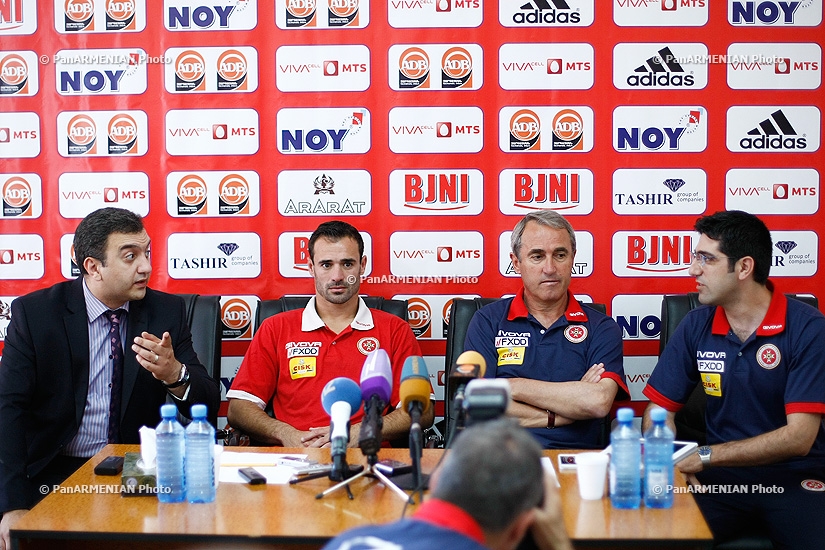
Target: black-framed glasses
x,y
705,259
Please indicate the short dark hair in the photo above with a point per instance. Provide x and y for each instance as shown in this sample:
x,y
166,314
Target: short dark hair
x,y
93,231
547,218
740,234
334,231
493,473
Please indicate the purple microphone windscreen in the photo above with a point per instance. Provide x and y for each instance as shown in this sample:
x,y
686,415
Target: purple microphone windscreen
x,y
415,383
376,376
341,389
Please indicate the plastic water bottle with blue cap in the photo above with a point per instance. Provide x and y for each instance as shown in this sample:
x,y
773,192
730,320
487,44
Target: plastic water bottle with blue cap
x,y
200,457
625,462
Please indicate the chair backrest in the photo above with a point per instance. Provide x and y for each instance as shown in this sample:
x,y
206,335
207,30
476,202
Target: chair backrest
x,y
690,420
203,314
268,308
461,312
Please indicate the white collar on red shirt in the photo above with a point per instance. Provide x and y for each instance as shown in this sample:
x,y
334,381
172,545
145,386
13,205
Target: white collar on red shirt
x,y
310,320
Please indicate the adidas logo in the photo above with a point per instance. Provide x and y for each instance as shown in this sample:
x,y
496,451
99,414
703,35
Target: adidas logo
x,y
775,132
662,69
541,12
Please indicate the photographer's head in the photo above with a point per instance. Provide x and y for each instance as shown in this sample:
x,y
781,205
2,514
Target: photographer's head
x,y
494,474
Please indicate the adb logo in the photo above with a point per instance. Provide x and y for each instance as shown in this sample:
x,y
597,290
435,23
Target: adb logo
x,y
457,69
344,13
419,315
652,253
190,72
413,69
525,131
679,129
79,15
521,129
123,135
233,195
18,196
765,13
301,13
236,317
232,69
219,15
82,135
192,195
121,15
789,129
14,74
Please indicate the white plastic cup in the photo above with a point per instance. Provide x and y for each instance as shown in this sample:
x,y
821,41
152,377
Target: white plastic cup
x,y
591,469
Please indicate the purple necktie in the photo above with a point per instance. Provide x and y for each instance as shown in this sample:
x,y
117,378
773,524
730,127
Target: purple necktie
x,y
117,373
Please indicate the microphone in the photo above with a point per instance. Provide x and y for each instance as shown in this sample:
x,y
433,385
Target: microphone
x,y
340,398
376,388
415,398
486,399
469,366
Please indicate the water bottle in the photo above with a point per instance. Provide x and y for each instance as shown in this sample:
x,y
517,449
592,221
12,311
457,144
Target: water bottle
x,y
170,452
625,461
200,456
658,462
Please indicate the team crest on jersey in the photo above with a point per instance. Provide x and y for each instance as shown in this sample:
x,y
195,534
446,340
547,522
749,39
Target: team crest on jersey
x,y
367,344
813,485
576,333
768,356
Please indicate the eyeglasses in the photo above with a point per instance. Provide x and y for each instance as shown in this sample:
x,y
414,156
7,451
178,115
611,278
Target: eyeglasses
x,y
705,259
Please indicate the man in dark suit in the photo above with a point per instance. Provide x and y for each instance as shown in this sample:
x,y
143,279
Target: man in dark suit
x,y
69,344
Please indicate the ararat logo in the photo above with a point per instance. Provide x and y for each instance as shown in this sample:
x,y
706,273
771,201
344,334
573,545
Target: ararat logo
x,y
420,316
569,191
768,356
324,131
423,192
414,69
316,193
659,191
769,129
660,13
525,131
681,129
772,190
14,75
763,13
219,15
190,72
236,316
457,69
652,254
545,13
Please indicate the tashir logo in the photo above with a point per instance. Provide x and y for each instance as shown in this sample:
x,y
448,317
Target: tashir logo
x,y
674,184
785,246
228,248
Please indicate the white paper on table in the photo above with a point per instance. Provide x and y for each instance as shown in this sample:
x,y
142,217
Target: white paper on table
x,y
547,464
268,464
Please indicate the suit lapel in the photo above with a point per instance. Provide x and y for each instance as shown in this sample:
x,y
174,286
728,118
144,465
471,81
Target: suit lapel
x,y
138,323
76,324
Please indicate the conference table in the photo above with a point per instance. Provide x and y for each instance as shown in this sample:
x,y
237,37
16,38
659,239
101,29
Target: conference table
x,y
88,514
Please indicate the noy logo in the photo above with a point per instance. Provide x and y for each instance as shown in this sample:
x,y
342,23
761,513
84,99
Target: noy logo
x,y
122,135
232,69
202,16
318,140
17,197
775,132
236,317
14,75
656,138
456,69
420,317
300,13
546,190
568,131
79,15
662,70
541,12
191,196
659,253
233,195
441,189
82,134
414,69
120,15
343,13
190,70
525,131
766,12
649,326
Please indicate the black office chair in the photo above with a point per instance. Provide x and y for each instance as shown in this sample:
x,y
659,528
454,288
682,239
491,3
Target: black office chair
x,y
690,420
203,314
461,312
268,308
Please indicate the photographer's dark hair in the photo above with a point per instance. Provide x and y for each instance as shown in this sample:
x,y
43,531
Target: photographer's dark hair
x,y
740,234
93,231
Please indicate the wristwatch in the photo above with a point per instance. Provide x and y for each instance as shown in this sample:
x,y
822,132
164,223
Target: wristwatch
x,y
551,420
182,379
704,456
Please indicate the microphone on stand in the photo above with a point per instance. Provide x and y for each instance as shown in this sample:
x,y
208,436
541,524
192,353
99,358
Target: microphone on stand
x,y
376,389
341,397
469,366
415,398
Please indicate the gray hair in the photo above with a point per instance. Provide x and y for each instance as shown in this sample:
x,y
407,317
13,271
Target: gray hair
x,y
547,218
493,473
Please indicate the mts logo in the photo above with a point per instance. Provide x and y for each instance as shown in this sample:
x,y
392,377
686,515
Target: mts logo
x,y
300,252
27,257
92,81
651,138
648,326
24,134
443,188
448,129
766,12
553,188
316,140
659,250
134,194
577,66
805,66
243,132
202,16
448,254
670,5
